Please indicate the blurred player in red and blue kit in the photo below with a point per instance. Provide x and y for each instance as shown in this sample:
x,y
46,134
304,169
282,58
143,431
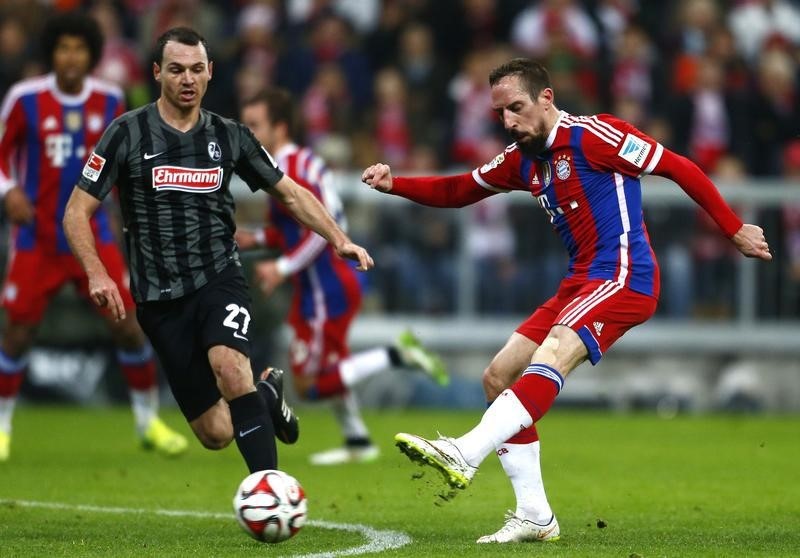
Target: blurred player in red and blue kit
x,y
326,291
50,124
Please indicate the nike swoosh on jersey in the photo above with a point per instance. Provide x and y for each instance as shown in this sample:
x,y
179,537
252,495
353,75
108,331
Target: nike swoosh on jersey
x,y
148,156
237,335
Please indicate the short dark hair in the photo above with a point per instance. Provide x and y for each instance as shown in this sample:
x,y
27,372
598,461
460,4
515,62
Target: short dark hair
x,y
73,24
279,104
533,75
183,35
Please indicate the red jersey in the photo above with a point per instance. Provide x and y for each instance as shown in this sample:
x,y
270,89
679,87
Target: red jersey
x,y
47,135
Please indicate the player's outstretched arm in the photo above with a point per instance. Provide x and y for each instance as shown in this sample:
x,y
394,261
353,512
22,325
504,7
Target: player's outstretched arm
x,y
378,177
310,212
750,241
78,230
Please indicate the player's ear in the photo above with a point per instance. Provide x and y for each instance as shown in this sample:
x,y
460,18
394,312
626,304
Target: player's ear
x,y
156,71
546,96
210,69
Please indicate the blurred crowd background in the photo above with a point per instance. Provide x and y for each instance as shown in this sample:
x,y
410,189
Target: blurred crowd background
x,y
405,82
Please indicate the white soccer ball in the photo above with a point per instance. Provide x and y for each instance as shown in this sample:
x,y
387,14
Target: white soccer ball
x,y
270,506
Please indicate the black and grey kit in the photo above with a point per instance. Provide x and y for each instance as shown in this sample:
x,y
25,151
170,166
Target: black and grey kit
x,y
178,217
177,208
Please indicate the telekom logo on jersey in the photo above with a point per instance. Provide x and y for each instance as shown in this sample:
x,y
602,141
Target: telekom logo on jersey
x,y
184,179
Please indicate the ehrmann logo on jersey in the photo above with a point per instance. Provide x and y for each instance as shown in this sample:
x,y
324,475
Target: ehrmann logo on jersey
x,y
182,179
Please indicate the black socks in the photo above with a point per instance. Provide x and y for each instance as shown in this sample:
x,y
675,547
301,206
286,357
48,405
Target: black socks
x,y
253,431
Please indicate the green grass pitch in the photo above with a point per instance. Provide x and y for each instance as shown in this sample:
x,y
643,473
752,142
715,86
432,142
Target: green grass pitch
x,y
621,485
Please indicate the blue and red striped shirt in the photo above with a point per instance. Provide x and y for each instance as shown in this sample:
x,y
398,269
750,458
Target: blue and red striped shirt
x,y
325,285
47,136
588,182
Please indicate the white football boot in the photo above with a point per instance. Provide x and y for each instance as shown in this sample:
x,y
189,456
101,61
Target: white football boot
x,y
346,454
441,454
517,529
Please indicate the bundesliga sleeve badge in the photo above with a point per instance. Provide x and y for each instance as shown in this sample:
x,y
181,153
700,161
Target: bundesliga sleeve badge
x,y
93,167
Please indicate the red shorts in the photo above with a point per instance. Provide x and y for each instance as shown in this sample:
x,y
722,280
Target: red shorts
x,y
600,312
318,344
33,278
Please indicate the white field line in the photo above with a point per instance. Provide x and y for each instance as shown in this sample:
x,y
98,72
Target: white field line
x,y
378,540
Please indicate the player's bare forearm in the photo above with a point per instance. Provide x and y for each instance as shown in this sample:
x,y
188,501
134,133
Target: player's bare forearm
x,y
78,230
311,213
308,210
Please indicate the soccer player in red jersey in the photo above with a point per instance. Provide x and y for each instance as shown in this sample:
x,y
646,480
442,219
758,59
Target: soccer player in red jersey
x,y
51,124
585,173
326,290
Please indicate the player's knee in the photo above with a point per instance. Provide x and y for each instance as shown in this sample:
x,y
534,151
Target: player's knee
x,y
546,353
493,382
232,379
214,442
214,436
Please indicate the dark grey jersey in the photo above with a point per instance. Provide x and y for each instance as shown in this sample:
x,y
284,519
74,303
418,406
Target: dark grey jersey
x,y
177,208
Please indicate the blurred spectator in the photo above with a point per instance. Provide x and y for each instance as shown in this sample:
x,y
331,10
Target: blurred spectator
x,y
363,15
634,58
722,48
709,121
562,35
120,62
16,52
330,42
205,17
714,256
475,126
773,111
255,55
327,105
491,245
390,126
427,76
381,45
755,22
536,28
463,26
696,22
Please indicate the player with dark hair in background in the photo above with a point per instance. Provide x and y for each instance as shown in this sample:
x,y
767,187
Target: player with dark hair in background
x,y
172,163
585,173
51,124
326,291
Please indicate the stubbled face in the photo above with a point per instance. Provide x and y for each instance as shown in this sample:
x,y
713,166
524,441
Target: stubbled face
x,y
256,117
184,74
523,118
71,62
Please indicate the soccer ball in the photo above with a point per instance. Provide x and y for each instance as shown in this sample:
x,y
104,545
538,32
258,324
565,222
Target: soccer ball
x,y
270,506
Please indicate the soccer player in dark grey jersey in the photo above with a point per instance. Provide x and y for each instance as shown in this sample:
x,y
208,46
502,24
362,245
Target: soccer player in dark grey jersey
x,y
172,163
